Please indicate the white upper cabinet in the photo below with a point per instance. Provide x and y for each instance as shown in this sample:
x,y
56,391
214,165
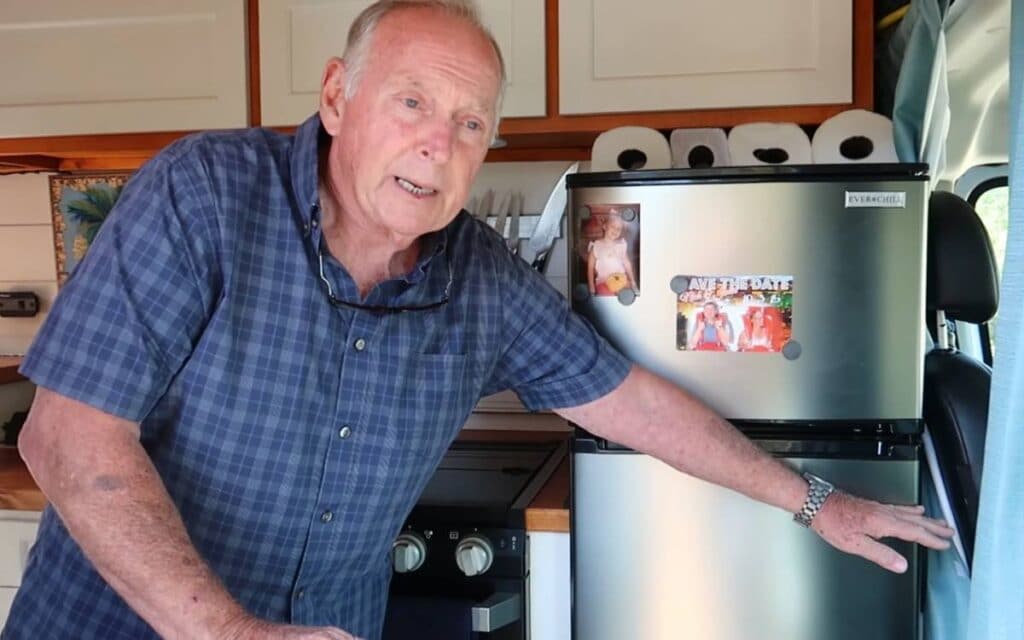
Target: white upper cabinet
x,y
298,36
116,66
518,28
654,55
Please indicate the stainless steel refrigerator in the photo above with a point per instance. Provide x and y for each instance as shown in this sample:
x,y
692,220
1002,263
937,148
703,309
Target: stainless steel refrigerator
x,y
791,300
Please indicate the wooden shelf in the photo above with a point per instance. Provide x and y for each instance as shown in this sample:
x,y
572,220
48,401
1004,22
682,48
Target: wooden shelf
x,y
9,369
83,152
18,164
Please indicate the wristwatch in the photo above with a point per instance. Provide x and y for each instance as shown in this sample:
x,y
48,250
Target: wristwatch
x,y
818,491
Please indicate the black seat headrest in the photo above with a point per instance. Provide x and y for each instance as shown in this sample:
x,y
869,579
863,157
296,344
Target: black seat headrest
x,y
962,277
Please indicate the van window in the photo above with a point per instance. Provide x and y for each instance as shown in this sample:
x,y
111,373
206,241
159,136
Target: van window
x,y
991,201
992,206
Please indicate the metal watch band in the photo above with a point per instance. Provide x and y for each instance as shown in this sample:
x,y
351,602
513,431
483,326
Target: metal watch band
x,y
818,491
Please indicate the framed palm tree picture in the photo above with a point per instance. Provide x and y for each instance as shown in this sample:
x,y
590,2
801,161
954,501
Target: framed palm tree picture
x,y
80,203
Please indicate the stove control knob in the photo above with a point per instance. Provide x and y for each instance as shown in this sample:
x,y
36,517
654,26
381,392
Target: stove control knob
x,y
408,552
474,554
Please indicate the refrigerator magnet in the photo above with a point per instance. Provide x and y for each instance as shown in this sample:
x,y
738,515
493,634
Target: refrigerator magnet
x,y
741,313
607,250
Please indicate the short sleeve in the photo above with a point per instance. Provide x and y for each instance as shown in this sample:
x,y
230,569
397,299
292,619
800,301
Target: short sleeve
x,y
130,314
551,357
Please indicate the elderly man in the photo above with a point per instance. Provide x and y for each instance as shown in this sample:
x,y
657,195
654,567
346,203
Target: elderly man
x,y
249,380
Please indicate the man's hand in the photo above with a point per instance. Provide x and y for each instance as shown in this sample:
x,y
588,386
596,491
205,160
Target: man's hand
x,y
855,525
252,628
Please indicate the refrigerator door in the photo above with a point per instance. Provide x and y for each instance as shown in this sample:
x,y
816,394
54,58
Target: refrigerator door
x,y
660,555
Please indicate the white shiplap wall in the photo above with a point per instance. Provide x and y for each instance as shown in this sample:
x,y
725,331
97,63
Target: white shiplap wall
x,y
27,263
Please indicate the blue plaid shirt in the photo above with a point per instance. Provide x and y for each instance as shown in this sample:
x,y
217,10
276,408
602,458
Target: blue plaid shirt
x,y
293,436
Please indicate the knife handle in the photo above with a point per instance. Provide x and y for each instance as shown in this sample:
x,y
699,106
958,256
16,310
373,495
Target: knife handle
x,y
541,261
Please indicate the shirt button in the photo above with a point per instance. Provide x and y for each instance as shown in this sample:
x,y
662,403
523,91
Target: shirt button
x,y
344,432
300,594
326,517
360,344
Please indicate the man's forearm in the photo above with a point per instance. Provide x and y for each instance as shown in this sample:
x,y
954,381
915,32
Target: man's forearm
x,y
649,414
109,496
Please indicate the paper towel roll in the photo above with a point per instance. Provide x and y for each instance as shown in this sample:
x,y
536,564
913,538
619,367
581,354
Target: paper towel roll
x,y
696,148
630,148
854,136
769,143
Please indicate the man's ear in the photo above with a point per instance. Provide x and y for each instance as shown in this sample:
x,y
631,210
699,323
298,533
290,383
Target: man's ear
x,y
332,95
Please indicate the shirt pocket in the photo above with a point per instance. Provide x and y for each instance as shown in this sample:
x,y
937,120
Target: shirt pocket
x,y
430,401
427,404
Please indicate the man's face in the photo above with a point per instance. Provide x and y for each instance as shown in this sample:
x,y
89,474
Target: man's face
x,y
710,311
408,144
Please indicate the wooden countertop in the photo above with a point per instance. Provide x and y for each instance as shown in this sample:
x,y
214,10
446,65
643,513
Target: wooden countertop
x,y
548,511
9,369
18,491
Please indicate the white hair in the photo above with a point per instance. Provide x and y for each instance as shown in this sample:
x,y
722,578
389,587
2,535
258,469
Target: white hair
x,y
360,36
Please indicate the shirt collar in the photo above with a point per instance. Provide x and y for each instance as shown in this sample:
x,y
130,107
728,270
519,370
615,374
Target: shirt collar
x,y
432,245
304,166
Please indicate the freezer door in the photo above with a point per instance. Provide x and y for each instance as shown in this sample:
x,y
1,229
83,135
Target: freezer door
x,y
662,556
848,280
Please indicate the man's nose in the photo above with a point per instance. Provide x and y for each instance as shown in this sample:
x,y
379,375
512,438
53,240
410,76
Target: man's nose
x,y
438,140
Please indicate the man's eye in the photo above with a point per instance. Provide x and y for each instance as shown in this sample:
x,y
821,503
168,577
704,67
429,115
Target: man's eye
x,y
474,125
412,103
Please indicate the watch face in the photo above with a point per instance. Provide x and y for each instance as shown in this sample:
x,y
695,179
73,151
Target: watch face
x,y
810,477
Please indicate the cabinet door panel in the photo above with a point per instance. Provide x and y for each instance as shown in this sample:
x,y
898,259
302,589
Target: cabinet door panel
x,y
296,39
518,28
108,66
298,36
692,54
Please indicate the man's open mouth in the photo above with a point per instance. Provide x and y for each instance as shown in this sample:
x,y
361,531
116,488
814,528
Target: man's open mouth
x,y
414,188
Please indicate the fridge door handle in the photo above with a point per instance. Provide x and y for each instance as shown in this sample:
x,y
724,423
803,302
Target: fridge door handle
x,y
500,610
